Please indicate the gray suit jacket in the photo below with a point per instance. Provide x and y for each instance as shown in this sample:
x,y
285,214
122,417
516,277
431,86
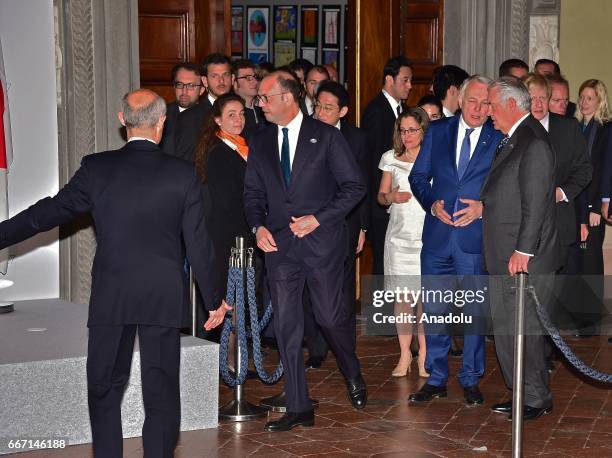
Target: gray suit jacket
x,y
519,202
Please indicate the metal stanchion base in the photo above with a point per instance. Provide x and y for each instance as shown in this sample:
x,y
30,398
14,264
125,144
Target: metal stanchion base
x,y
241,411
278,403
6,307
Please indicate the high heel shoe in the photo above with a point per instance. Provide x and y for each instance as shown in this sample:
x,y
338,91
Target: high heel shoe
x,y
401,371
422,372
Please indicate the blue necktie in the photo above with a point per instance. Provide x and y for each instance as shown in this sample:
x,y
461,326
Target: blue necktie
x,y
464,154
285,160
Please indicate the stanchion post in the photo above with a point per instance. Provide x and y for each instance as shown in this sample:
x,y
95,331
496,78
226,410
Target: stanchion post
x,y
194,303
518,378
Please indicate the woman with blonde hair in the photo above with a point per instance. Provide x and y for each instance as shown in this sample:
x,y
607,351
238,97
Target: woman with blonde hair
x,y
403,238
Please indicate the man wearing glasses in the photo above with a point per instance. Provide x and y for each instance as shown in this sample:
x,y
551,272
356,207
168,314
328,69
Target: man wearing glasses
x,y
301,182
245,85
446,179
188,87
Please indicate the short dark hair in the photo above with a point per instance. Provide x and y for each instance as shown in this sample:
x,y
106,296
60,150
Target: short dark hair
x,y
242,64
431,99
555,65
318,69
509,64
557,79
290,84
393,66
189,66
335,89
215,58
446,76
300,64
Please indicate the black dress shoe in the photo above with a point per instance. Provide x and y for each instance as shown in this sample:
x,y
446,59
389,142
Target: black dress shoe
x,y
455,353
290,420
473,396
502,407
314,362
427,393
357,392
531,413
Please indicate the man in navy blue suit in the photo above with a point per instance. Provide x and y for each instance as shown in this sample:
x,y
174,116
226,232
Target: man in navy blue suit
x,y
452,165
301,182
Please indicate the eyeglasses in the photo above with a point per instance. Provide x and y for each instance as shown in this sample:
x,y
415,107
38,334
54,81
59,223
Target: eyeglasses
x,y
409,131
265,98
188,86
249,78
326,108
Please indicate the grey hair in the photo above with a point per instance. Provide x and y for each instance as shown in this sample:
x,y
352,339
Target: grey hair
x,y
511,87
146,116
476,78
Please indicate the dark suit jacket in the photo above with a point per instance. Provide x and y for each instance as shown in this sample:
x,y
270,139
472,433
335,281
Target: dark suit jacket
x,y
143,203
254,121
377,121
434,177
573,172
519,202
325,181
168,141
358,217
189,128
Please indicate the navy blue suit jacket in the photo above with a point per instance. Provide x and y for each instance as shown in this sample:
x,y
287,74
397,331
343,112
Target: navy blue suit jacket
x,y
434,177
325,181
144,205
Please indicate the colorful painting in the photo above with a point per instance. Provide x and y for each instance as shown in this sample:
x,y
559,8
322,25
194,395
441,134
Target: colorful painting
x,y
237,18
237,40
310,26
285,23
258,57
284,53
331,27
331,57
258,30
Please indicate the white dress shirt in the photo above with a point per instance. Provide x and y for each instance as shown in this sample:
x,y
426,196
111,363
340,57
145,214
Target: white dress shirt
x,y
447,112
394,103
133,139
474,136
294,132
309,105
211,99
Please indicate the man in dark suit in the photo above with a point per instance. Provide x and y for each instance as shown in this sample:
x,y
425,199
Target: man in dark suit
x,y
296,197
217,79
142,203
447,81
551,70
377,121
245,85
315,76
520,235
446,179
331,107
188,88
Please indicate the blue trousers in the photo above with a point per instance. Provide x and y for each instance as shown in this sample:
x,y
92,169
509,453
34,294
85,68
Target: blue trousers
x,y
442,270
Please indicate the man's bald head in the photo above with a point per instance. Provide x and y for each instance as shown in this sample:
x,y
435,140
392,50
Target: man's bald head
x,y
279,97
142,109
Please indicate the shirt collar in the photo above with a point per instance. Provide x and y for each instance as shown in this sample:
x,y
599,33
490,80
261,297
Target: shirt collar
x,y
133,139
463,125
338,125
211,99
447,112
516,124
394,103
545,121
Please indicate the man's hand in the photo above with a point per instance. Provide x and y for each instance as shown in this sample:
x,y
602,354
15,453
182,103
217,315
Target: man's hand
x,y
605,208
303,225
595,218
472,212
398,197
216,317
265,241
559,196
584,232
518,263
438,211
360,241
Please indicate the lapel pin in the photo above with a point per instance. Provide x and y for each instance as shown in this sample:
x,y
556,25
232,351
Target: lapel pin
x,y
313,140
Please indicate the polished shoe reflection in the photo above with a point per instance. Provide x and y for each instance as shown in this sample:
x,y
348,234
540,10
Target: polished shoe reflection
x,y
427,393
290,420
531,413
472,395
357,392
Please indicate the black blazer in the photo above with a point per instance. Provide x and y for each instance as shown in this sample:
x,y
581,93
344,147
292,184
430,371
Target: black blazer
x,y
254,121
144,205
189,128
167,143
325,181
377,121
573,172
519,202
358,218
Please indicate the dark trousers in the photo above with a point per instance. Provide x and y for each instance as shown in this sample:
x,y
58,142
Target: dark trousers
x,y
287,281
109,358
376,235
503,305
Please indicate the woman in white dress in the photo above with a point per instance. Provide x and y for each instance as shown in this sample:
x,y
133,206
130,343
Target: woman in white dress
x,y
403,239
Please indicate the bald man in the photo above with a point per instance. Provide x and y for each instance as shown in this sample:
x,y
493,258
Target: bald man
x,y
143,203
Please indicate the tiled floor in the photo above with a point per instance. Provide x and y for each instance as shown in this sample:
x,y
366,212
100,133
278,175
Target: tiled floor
x,y
580,424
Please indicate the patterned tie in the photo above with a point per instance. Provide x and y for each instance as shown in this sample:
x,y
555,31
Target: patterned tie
x,y
464,153
285,161
504,141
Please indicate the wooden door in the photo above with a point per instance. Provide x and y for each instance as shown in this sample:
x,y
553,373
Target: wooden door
x,y
173,31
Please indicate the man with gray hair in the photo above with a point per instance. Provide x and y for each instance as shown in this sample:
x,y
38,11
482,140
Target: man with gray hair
x,y
520,236
446,178
144,205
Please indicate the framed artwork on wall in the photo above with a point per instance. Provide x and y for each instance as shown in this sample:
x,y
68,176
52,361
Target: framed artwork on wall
x,y
330,36
310,27
285,23
237,30
284,53
258,33
331,57
310,54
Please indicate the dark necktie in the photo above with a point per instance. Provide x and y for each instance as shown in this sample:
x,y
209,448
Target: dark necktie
x,y
399,110
285,160
464,153
502,143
